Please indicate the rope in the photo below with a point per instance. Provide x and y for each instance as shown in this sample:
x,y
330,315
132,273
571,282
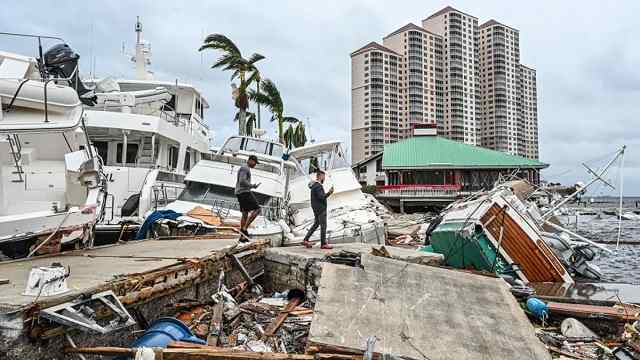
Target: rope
x,y
50,235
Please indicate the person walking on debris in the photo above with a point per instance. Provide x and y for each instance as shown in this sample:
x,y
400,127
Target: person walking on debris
x,y
248,203
319,206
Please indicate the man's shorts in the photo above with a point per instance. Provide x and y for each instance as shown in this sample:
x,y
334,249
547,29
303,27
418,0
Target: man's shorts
x,y
247,202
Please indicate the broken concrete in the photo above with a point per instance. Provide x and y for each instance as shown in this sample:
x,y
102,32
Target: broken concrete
x,y
160,273
287,267
420,312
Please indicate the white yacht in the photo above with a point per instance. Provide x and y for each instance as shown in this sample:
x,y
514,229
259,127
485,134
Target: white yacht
x,y
211,183
51,183
148,133
283,194
352,216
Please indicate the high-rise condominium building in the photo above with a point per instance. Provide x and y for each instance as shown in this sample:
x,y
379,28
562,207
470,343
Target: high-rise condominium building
x,y
376,101
465,78
459,31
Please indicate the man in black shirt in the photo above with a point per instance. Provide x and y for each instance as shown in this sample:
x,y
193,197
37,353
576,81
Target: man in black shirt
x,y
248,203
319,206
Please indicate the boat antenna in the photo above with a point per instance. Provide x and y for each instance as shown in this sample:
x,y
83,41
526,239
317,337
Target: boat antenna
x,y
620,206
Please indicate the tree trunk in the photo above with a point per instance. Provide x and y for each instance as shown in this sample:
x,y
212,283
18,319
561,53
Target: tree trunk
x,y
242,122
258,91
280,130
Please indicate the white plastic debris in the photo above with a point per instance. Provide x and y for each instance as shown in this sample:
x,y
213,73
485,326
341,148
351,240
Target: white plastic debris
x,y
47,281
574,329
145,353
258,346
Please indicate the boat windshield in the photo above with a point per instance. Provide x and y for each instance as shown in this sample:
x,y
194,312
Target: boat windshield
x,y
325,160
216,195
236,144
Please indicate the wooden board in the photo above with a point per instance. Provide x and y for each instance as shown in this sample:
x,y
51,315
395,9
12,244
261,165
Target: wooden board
x,y
534,257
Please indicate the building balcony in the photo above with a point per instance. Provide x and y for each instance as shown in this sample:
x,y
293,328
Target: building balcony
x,y
419,191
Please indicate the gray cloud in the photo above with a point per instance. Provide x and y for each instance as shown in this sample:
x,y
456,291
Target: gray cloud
x,y
584,53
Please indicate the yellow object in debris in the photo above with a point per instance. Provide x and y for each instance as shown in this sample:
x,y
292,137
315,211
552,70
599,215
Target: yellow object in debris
x,y
205,215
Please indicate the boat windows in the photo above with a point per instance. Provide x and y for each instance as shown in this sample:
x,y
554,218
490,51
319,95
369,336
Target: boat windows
x,y
258,146
103,150
277,150
173,157
216,195
132,153
187,161
233,145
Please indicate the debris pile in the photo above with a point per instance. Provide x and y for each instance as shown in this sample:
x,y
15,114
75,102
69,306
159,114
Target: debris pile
x,y
581,331
250,321
407,230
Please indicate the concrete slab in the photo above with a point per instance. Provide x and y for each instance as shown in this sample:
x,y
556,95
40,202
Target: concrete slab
x,y
88,272
421,312
300,255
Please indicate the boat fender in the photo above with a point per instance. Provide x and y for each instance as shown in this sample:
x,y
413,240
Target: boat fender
x,y
538,308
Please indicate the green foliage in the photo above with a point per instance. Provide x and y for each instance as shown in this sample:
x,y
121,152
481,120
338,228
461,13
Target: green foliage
x,y
271,99
369,189
232,60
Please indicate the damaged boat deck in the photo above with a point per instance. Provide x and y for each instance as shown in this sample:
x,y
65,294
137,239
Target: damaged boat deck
x,y
92,268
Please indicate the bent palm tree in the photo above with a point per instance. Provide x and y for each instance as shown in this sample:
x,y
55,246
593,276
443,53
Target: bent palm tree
x,y
271,99
295,135
232,60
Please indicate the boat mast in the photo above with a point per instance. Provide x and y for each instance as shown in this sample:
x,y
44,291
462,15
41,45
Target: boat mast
x,y
597,177
141,58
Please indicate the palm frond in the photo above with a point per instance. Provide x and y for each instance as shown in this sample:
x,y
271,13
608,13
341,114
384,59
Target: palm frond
x,y
254,58
220,42
227,60
254,77
291,119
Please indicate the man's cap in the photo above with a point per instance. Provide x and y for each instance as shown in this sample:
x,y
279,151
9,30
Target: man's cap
x,y
254,158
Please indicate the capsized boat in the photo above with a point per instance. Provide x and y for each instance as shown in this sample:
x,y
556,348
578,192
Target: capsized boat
x,y
52,187
500,231
352,216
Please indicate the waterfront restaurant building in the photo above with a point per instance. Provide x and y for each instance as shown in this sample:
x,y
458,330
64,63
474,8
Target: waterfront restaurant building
x,y
429,170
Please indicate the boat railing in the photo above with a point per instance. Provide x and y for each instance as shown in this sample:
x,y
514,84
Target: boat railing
x,y
419,191
163,194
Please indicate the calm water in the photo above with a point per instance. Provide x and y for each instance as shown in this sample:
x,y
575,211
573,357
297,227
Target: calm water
x,y
624,264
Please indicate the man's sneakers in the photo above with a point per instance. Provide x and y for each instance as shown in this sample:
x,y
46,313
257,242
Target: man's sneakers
x,y
307,244
244,237
326,247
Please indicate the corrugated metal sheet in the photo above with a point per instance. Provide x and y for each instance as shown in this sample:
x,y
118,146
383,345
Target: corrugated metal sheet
x,y
438,152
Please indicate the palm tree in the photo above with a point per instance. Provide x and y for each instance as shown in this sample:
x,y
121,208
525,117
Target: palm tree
x,y
250,123
271,99
295,135
232,60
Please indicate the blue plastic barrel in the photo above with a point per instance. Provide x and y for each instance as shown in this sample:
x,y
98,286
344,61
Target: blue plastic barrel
x,y
162,332
537,307
165,330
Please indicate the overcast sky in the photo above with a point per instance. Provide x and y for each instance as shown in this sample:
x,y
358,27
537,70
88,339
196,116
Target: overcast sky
x,y
585,54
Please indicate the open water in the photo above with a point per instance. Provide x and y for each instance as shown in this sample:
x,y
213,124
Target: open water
x,y
624,264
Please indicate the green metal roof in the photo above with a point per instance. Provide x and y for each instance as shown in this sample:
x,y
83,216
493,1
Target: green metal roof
x,y
438,152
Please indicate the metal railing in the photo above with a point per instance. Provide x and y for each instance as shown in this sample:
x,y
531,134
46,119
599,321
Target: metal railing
x,y
419,191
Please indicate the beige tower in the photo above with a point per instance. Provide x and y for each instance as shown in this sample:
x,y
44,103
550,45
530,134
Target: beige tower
x,y
459,32
375,100
421,79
